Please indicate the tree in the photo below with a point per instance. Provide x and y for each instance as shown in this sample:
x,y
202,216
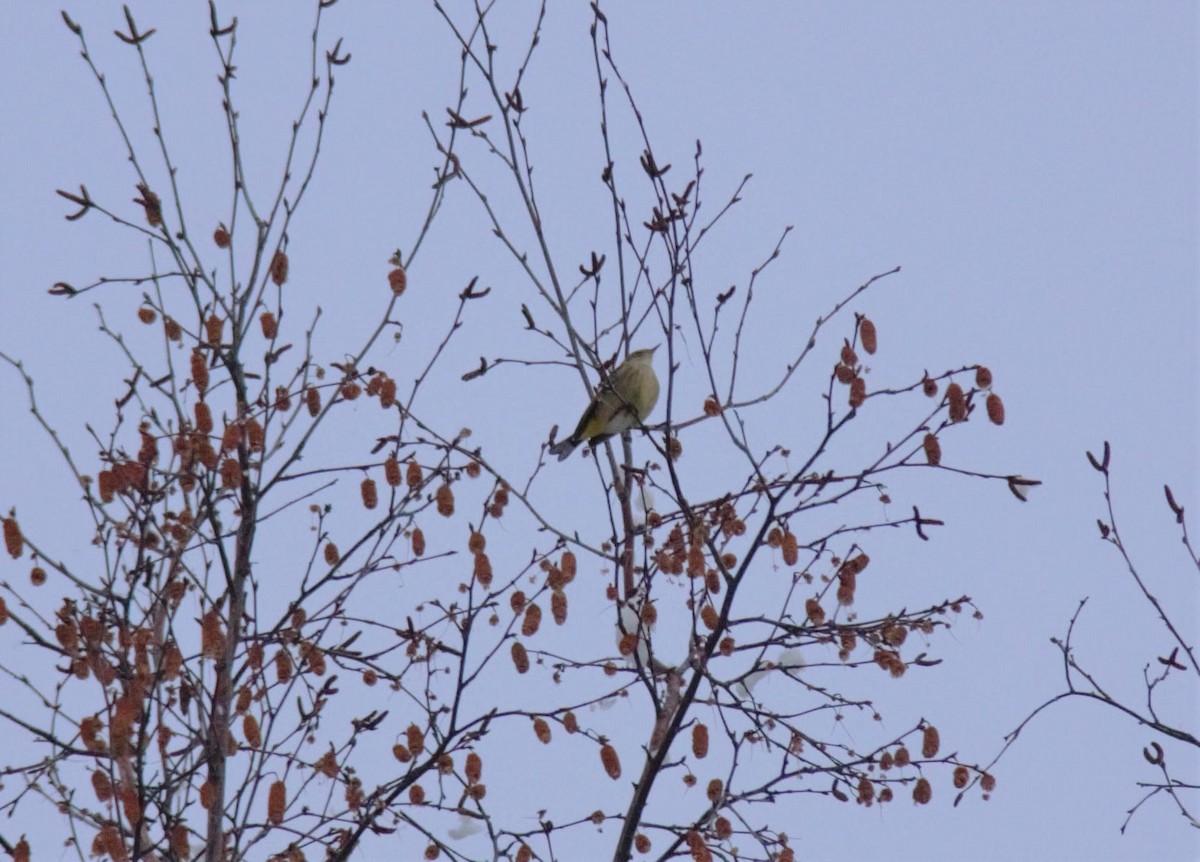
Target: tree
x,y
708,590
1086,683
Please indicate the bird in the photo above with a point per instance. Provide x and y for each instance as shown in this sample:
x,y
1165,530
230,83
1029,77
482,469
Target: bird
x,y
622,401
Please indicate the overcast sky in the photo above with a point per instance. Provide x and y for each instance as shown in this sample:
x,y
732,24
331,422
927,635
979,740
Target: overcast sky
x,y
1031,166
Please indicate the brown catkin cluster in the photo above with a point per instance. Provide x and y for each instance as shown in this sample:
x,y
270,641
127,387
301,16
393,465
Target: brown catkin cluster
x,y
923,792
867,335
398,280
700,740
13,543
957,401
520,657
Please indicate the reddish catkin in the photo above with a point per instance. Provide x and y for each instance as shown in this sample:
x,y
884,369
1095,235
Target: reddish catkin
x,y
867,335
532,621
208,795
398,280
844,374
474,768
715,790
641,842
279,268
476,542
270,326
250,730
221,236
541,729
13,543
171,329
988,782
558,606
283,666
214,328
413,474
708,615
391,471
723,828
524,853
370,494
858,392
520,657
415,737
815,612
199,368
204,420
231,474
610,761
570,722
276,802
418,542
983,377
902,758
923,792
933,450
416,794
180,845
102,786
332,555
961,776
929,386
107,482
483,570
147,315
700,740
791,552
212,639
312,399
255,436
387,393
957,401
930,742
995,409
445,501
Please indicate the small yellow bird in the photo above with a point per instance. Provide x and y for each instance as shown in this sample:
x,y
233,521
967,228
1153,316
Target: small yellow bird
x,y
622,401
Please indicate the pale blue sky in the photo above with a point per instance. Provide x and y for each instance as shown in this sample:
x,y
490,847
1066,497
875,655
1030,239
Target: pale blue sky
x,y
1032,167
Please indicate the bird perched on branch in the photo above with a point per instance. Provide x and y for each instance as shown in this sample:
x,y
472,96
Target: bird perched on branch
x,y
622,401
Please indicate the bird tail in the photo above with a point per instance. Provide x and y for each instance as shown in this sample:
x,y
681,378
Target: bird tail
x,y
563,448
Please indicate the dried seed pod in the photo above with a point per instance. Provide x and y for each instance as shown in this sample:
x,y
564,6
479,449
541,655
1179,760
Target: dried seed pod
x,y
866,791
867,335
147,315
387,393
524,853
848,357
350,390
987,782
726,646
541,730
221,236
844,373
312,399
610,761
700,740
570,722
902,758
995,409
416,794
558,606
961,776
709,616
476,542
933,450
231,474
283,666
255,436
332,555
983,377
712,407
401,753
641,842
